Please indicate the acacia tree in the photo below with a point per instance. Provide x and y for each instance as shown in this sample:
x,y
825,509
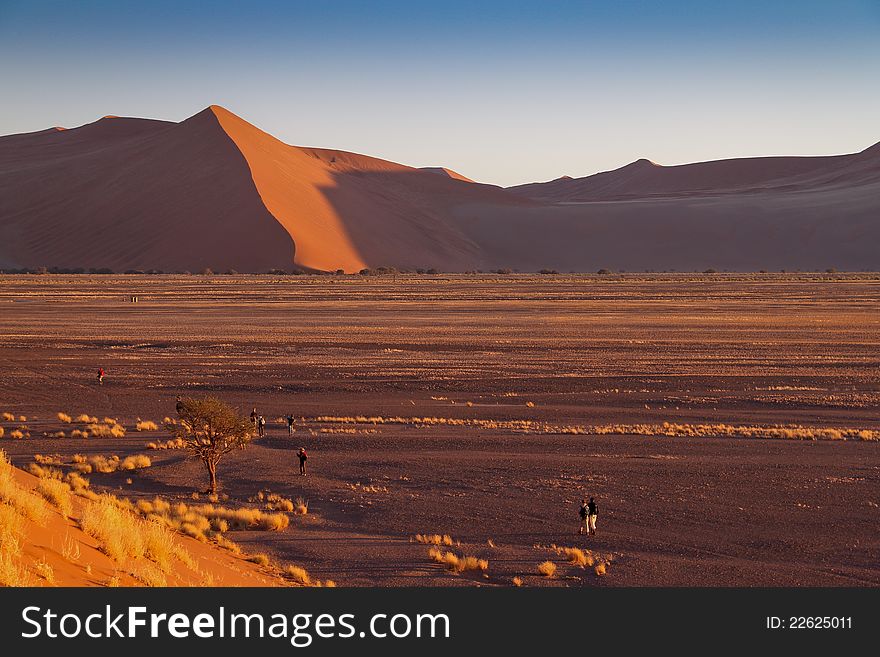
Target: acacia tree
x,y
210,429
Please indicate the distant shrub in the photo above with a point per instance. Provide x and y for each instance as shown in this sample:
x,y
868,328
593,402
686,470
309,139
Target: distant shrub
x,y
604,272
64,417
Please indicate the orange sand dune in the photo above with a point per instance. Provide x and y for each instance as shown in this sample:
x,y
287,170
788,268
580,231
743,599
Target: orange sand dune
x,y
75,559
216,192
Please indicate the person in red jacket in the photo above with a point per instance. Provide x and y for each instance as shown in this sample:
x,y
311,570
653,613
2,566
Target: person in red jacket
x,y
303,457
100,376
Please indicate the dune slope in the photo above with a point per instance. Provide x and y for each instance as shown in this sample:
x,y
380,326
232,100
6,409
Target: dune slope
x,y
134,194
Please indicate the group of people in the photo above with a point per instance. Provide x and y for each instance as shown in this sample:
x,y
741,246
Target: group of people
x,y
589,511
260,423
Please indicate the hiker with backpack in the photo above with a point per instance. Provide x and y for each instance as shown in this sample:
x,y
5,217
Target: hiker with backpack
x,y
303,457
584,526
290,424
261,426
100,376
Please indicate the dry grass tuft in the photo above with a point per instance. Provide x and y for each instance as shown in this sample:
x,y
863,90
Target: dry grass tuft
x,y
25,502
301,506
57,493
135,462
124,536
8,417
260,559
146,425
44,569
64,417
547,568
172,443
435,539
12,573
106,430
299,575
517,581
456,563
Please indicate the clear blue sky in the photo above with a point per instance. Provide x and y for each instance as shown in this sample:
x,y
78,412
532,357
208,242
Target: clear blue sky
x,y
504,92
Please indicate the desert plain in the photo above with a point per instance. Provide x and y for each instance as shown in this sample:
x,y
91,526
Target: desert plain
x,y
727,424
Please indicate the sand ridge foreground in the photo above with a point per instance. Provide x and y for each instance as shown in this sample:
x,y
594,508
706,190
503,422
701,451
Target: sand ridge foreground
x,y
216,192
57,552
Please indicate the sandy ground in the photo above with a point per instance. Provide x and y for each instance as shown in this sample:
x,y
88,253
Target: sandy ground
x,y
585,350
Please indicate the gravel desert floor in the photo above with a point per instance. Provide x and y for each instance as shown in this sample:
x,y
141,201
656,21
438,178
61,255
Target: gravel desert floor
x,y
727,424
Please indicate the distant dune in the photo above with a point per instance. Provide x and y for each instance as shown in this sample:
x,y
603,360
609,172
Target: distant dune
x,y
216,192
449,173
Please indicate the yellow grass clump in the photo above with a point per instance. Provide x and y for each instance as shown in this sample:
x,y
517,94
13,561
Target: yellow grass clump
x,y
434,539
76,481
44,569
57,493
299,575
207,520
173,443
106,430
8,417
146,425
259,559
64,417
585,558
16,434
547,568
301,506
123,535
456,563
12,572
2,431
23,501
517,581
103,464
135,462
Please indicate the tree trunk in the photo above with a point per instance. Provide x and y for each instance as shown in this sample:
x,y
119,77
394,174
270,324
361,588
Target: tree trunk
x,y
212,473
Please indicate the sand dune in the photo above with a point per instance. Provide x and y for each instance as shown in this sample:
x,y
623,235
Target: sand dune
x,y
449,173
74,558
216,192
644,179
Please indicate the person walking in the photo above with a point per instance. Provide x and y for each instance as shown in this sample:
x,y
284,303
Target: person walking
x,y
261,426
290,424
592,514
254,416
584,527
303,457
100,376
